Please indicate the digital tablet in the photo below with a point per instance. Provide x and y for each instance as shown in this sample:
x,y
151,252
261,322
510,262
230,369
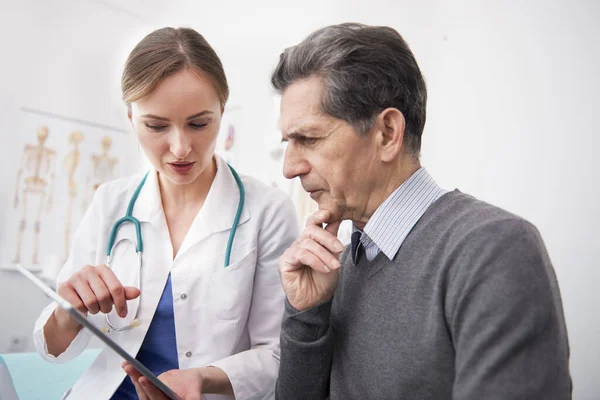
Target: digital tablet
x,y
65,305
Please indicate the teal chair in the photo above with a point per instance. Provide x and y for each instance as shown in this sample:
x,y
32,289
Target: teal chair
x,y
36,379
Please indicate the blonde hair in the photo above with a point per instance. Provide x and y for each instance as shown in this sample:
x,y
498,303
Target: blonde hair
x,y
165,52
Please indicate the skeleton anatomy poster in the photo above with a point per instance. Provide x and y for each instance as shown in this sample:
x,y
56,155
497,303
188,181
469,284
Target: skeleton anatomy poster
x,y
56,166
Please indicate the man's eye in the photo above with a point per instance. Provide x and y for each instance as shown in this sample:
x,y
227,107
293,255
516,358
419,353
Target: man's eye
x,y
308,140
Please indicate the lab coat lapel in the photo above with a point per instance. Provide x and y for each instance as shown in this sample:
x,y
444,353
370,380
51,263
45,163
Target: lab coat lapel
x,y
148,207
148,210
218,211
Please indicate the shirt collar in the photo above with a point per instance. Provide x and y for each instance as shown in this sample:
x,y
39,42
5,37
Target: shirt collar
x,y
393,220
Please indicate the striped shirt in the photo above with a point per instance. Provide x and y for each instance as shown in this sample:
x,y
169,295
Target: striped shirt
x,y
398,214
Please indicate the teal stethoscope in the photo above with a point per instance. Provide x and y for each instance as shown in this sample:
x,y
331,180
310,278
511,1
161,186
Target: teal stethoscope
x,y
139,246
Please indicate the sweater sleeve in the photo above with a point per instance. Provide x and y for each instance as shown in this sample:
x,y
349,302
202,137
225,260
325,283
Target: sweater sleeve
x,y
505,316
306,352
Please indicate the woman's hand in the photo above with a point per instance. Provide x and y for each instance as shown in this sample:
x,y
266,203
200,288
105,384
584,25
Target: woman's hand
x,y
93,289
186,383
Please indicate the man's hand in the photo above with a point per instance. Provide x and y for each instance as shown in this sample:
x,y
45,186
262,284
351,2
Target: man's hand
x,y
310,267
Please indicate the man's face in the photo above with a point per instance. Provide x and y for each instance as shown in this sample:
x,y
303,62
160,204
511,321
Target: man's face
x,y
336,165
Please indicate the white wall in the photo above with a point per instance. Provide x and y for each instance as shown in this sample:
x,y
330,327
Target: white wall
x,y
514,91
61,57
512,87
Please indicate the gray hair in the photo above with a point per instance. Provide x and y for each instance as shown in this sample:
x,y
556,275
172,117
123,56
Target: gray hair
x,y
364,70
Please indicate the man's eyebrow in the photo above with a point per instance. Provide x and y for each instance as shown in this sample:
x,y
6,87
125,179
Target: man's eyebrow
x,y
296,135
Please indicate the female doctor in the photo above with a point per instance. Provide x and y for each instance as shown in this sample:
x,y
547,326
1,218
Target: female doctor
x,y
183,294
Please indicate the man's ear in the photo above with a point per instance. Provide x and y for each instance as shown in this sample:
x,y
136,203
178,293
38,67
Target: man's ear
x,y
390,128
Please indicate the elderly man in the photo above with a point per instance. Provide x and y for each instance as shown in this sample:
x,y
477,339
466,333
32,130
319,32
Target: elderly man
x,y
440,295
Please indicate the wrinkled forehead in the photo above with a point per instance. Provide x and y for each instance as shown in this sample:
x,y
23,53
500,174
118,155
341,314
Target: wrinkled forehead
x,y
300,106
303,124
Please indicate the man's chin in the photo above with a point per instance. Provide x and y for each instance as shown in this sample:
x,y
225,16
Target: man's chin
x,y
317,196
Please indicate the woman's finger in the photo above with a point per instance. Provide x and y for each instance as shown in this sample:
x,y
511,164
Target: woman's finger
x,y
85,293
152,391
101,292
115,288
135,376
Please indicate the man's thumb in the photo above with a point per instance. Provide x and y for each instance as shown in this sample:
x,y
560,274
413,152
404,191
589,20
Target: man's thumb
x,y
333,227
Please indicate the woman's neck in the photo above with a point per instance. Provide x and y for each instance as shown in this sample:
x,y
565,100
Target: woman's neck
x,y
185,196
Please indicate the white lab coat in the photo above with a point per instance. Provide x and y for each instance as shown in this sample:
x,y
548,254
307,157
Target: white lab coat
x,y
225,317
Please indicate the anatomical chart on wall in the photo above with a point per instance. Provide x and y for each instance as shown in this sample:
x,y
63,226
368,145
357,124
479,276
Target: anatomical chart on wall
x,y
58,165
101,168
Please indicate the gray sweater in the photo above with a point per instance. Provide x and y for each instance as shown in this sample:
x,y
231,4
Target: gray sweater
x,y
469,308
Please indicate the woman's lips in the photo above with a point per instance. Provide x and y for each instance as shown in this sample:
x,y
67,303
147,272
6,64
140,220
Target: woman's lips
x,y
182,167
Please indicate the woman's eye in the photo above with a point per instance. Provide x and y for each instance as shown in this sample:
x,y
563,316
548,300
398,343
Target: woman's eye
x,y
156,128
198,126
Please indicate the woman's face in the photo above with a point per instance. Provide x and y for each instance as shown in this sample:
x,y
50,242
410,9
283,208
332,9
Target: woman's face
x,y
177,125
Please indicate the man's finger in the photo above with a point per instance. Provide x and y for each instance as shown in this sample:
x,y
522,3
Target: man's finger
x,y
325,256
318,218
324,238
333,228
310,260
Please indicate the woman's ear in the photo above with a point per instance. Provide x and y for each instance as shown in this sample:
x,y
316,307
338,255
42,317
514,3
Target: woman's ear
x,y
391,126
130,115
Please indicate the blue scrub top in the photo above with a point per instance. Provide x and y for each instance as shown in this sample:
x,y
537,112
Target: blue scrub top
x,y
159,349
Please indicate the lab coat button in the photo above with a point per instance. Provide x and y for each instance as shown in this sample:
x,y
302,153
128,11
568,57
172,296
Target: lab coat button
x,y
188,354
183,296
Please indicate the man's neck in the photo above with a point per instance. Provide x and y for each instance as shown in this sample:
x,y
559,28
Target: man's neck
x,y
391,179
